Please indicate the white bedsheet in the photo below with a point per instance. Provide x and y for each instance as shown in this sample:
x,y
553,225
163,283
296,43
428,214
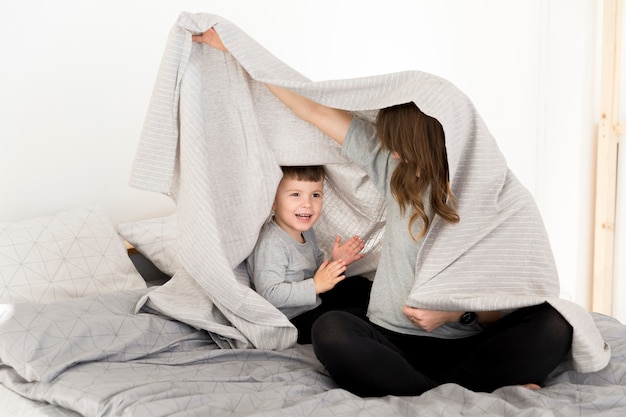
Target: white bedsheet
x,y
95,357
15,405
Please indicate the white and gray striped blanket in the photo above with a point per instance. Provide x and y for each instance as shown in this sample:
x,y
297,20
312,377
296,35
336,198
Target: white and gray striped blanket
x,y
214,138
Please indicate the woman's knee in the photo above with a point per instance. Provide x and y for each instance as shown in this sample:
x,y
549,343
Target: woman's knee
x,y
334,332
550,328
332,325
557,327
552,321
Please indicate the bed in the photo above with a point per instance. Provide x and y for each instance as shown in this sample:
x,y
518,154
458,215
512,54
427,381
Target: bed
x,y
85,352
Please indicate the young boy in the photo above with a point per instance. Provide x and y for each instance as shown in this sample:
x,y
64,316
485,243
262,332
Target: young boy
x,y
287,266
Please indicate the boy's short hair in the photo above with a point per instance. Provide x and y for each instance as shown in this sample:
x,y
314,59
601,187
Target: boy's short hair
x,y
312,173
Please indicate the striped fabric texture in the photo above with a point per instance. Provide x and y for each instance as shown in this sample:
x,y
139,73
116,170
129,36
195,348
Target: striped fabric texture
x,y
214,139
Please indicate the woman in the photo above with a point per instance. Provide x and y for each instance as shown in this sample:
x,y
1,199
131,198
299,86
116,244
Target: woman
x,y
399,349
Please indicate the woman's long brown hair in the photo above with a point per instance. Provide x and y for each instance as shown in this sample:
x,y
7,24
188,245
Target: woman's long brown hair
x,y
419,140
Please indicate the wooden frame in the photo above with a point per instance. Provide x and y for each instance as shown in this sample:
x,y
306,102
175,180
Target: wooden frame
x,y
609,131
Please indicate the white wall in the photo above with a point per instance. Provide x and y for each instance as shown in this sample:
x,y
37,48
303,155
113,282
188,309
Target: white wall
x,y
77,77
619,284
567,112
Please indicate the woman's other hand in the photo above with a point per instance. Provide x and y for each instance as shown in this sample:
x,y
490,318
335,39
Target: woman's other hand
x,y
430,320
211,38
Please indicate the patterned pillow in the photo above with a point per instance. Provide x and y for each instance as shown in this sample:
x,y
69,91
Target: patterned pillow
x,y
72,254
156,239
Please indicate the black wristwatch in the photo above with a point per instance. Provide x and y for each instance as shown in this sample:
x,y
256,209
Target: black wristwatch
x,y
468,318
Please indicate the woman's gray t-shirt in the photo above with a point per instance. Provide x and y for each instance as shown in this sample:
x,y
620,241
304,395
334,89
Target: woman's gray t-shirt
x,y
395,275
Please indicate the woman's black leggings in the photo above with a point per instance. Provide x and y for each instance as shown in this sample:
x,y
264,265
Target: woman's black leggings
x,y
368,360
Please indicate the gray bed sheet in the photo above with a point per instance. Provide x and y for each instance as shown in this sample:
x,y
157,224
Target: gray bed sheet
x,y
94,357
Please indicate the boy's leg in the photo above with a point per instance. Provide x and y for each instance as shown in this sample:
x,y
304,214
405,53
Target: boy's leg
x,y
304,323
352,292
351,295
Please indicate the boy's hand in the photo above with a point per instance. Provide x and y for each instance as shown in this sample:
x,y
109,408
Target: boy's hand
x,y
328,275
350,251
211,38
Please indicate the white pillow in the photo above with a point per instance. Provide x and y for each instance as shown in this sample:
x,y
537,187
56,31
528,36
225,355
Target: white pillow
x,y
72,254
156,239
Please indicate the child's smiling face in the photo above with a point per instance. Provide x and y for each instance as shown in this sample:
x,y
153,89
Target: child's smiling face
x,y
297,205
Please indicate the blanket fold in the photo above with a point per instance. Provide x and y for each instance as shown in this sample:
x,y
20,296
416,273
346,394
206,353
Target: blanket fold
x,y
214,139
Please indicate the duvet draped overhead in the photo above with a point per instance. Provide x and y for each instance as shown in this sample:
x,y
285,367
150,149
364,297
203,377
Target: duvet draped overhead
x,y
214,139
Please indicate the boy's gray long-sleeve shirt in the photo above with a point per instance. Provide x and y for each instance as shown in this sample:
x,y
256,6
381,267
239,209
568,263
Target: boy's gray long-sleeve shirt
x,y
282,269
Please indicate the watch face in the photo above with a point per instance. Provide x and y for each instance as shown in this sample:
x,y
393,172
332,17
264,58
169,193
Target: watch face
x,y
468,318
